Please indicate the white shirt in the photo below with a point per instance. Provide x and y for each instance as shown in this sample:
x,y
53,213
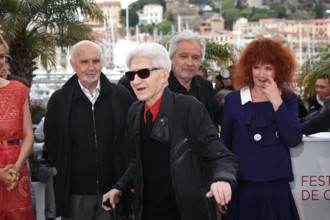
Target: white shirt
x,y
39,135
96,92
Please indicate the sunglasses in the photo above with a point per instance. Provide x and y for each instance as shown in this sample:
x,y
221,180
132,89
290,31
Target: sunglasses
x,y
142,73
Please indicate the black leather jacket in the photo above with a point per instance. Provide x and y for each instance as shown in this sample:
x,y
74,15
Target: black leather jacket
x,y
198,156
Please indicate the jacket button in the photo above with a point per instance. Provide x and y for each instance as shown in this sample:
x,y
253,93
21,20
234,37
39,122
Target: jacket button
x,y
257,137
276,134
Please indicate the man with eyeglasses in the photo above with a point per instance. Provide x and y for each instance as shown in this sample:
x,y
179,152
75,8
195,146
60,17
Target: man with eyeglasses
x,y
85,134
187,51
179,167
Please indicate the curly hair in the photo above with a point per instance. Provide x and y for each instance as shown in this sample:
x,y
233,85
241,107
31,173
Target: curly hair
x,y
262,52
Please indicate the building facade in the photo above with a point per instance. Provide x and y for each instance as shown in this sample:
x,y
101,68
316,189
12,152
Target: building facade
x,y
150,14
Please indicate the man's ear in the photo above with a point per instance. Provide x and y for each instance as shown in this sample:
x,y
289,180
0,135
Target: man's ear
x,y
165,74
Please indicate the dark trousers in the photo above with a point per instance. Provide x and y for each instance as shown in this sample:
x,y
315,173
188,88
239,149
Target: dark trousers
x,y
87,207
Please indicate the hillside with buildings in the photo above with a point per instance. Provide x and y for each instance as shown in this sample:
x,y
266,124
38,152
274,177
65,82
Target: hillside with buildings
x,y
156,21
303,37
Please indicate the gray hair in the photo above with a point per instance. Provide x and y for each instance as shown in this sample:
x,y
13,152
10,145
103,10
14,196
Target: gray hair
x,y
153,51
187,35
74,47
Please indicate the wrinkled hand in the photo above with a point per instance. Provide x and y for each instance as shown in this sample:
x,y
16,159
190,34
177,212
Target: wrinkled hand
x,y
272,92
113,195
9,176
222,193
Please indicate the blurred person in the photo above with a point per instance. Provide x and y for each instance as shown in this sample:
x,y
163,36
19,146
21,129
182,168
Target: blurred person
x,y
44,170
178,160
16,139
322,85
260,125
124,82
202,72
85,135
187,51
320,122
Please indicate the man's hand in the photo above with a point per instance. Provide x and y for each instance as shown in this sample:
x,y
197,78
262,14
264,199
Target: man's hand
x,y
113,195
222,193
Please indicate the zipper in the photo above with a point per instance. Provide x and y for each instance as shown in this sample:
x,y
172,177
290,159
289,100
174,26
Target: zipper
x,y
96,155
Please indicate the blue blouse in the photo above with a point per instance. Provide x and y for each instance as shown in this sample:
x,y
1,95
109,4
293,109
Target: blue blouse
x,y
261,137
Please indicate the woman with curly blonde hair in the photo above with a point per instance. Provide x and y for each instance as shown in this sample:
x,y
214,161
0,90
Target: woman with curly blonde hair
x,y
260,125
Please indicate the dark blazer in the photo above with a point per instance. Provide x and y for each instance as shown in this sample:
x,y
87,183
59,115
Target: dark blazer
x,y
57,129
198,156
205,94
313,104
319,123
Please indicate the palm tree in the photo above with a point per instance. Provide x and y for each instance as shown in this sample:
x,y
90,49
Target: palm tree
x,y
33,28
222,55
311,69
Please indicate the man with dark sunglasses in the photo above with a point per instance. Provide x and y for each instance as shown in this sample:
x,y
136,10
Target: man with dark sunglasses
x,y
179,167
187,51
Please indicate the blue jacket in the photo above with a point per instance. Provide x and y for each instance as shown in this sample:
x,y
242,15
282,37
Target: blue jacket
x,y
260,137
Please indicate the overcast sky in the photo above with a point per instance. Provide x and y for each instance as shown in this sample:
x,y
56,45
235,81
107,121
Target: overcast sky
x,y
123,2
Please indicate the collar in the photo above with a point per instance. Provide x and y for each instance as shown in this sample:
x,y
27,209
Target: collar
x,y
321,102
154,109
245,95
95,94
175,83
97,88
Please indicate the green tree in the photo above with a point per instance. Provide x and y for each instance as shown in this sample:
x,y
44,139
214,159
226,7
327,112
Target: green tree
x,y
231,16
299,15
319,10
239,5
33,28
132,15
147,28
246,12
279,8
258,16
164,27
311,69
170,17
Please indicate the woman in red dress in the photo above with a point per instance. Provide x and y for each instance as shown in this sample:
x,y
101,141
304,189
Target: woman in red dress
x,y
15,125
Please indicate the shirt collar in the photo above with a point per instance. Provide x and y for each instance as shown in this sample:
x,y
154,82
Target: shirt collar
x,y
321,102
96,91
245,95
154,109
98,86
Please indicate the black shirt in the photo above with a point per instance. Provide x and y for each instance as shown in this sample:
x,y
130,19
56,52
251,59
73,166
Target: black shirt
x,y
201,89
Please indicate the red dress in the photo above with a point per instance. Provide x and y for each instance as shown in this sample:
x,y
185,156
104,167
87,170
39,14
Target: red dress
x,y
17,203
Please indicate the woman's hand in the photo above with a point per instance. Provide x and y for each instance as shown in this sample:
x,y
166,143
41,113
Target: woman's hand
x,y
272,92
9,176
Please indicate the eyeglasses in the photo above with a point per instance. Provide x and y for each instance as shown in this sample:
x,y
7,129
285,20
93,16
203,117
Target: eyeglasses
x,y
142,73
